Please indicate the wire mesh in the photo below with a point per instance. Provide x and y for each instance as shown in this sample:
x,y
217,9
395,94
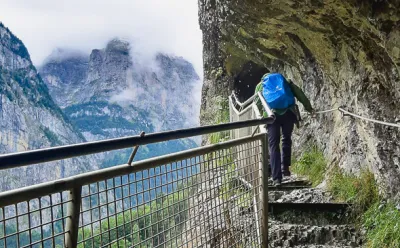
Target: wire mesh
x,y
208,200
248,111
38,222
196,202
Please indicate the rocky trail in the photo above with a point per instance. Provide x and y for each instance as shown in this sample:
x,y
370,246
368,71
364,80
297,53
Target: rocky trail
x,y
302,216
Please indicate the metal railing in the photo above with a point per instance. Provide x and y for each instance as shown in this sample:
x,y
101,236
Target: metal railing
x,y
345,112
211,196
248,110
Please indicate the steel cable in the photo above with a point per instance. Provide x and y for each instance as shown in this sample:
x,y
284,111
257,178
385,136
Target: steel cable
x,y
348,113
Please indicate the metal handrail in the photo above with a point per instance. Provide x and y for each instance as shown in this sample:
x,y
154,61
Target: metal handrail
x,y
242,110
13,160
22,194
74,186
266,106
245,103
368,119
348,113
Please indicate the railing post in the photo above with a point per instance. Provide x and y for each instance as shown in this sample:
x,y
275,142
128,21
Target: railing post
x,y
264,225
72,226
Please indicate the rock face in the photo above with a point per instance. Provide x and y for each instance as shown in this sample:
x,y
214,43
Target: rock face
x,y
116,92
29,119
64,73
342,53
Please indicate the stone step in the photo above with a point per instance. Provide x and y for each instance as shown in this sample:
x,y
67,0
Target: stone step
x,y
286,188
323,246
288,235
299,195
293,180
298,182
309,213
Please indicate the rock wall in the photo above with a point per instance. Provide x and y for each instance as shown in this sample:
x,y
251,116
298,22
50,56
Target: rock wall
x,y
341,52
29,119
117,92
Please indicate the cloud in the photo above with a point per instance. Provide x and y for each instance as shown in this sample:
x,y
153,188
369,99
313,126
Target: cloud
x,y
147,88
169,26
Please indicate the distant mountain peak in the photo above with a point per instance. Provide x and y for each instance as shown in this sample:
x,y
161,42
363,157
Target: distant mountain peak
x,y
118,45
159,84
8,39
30,119
61,54
171,63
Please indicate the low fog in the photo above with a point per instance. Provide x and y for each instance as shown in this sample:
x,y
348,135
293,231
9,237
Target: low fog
x,y
159,97
154,25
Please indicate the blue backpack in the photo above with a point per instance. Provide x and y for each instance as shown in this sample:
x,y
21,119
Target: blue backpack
x,y
277,92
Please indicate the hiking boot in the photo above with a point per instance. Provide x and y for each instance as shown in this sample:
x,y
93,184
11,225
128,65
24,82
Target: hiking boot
x,y
286,173
277,182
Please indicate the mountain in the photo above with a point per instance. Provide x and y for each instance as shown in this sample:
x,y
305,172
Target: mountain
x,y
30,119
116,92
342,53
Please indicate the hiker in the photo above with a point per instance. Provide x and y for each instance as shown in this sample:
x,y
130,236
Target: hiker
x,y
280,95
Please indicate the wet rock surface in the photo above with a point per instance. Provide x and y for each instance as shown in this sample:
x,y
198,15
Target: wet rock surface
x,y
220,218
218,221
306,195
321,246
342,53
301,196
288,235
292,180
304,228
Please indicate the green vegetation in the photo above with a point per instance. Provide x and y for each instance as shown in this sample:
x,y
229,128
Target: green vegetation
x,y
151,225
4,87
221,115
33,88
382,224
23,238
311,164
97,122
159,222
361,191
228,185
17,46
51,137
147,151
381,220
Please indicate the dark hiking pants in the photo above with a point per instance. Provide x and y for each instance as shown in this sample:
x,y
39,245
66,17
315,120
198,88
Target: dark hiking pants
x,y
285,123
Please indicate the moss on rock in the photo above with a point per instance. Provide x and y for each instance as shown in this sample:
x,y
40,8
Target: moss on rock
x,y
341,53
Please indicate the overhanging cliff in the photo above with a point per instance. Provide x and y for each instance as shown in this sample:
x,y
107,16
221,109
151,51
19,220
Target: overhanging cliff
x,y
342,53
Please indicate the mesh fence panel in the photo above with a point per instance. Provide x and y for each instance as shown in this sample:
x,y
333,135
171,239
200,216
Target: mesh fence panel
x,y
206,200
39,222
209,200
243,113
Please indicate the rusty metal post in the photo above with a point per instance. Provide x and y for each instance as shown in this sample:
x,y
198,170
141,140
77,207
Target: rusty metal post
x,y
72,226
264,223
135,149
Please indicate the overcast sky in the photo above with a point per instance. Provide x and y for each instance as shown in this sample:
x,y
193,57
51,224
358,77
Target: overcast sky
x,y
155,25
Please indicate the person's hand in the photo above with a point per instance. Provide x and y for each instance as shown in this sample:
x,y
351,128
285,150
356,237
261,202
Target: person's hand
x,y
313,114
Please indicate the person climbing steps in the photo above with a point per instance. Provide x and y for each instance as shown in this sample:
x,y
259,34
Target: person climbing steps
x,y
280,95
